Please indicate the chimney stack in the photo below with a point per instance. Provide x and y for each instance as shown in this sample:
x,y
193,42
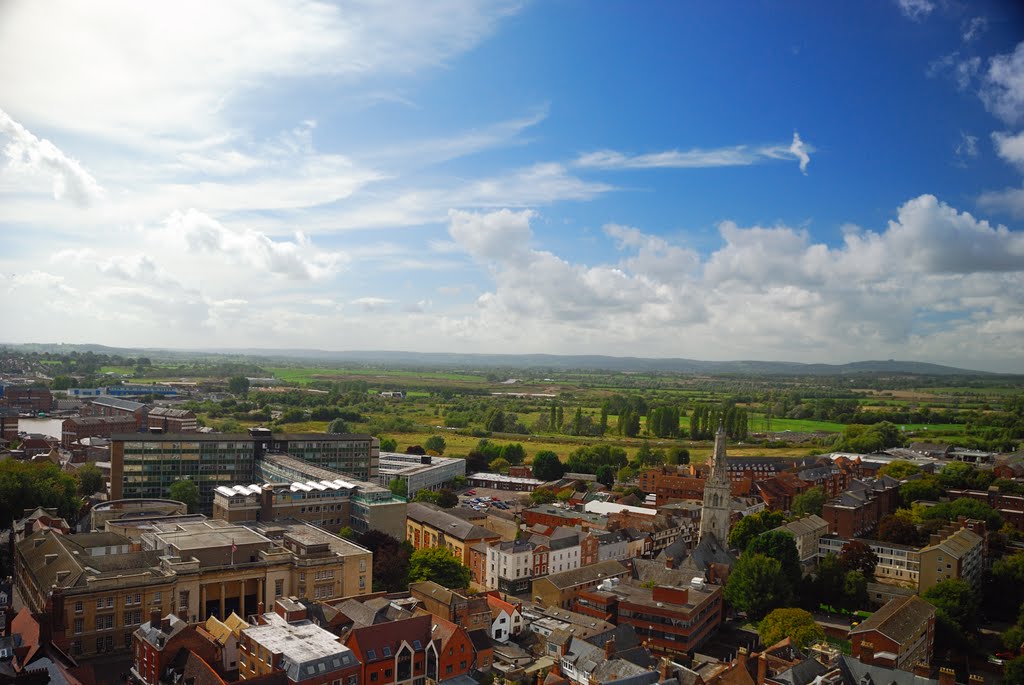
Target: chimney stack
x,y
183,614
261,608
664,666
867,653
762,668
609,649
947,676
922,670
165,624
975,679
154,617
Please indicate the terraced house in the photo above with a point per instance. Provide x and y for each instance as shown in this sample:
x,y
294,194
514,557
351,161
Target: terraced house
x,y
430,526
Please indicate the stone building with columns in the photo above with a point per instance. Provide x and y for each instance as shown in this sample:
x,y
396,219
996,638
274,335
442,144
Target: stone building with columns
x,y
97,588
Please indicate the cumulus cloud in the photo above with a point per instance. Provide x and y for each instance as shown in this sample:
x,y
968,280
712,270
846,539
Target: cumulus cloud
x,y
1009,200
767,291
916,9
737,155
1002,88
295,259
1010,147
27,154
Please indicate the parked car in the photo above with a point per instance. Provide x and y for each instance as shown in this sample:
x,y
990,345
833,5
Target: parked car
x,y
470,492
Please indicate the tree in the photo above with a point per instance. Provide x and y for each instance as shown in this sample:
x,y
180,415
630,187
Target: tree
x,y
399,486
855,591
25,485
388,445
1013,672
237,385
390,560
514,453
435,443
751,526
1005,592
796,624
62,383
678,455
446,499
757,585
858,556
968,508
547,466
440,565
898,529
90,480
187,492
924,488
415,449
781,546
899,469
1013,638
338,426
499,465
543,496
956,611
809,502
606,476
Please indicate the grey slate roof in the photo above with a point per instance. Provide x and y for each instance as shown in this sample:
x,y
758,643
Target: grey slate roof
x,y
586,574
449,524
899,619
802,674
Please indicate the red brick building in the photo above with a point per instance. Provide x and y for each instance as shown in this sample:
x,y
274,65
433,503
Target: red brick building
x,y
552,516
26,400
114,406
899,635
8,424
157,642
1010,507
170,420
857,511
393,652
78,427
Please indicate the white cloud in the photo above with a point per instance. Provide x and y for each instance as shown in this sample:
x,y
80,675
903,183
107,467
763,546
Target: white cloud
x,y
916,9
1009,200
1010,147
132,72
962,70
967,148
371,304
295,259
973,28
1002,90
29,155
737,155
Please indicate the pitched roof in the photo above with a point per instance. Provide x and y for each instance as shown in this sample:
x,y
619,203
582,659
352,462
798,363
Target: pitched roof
x,y
117,403
375,638
586,574
449,524
899,619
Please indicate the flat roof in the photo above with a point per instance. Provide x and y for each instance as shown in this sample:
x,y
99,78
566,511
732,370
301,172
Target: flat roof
x,y
206,534
307,649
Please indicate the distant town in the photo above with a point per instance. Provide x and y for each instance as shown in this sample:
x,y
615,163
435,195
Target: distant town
x,y
227,520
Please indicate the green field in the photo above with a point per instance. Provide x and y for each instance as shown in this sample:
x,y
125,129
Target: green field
x,y
306,374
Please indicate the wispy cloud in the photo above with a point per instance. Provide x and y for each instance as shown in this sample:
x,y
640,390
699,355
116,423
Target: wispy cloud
x,y
916,9
972,29
697,158
1003,86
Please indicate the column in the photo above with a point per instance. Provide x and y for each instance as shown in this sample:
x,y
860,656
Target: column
x,y
222,591
202,603
241,598
259,593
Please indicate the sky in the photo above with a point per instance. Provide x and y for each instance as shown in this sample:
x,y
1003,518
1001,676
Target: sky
x,y
800,181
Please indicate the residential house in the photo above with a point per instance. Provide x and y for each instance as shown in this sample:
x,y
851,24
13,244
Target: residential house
x,y
394,652
806,532
469,611
506,618
899,635
430,526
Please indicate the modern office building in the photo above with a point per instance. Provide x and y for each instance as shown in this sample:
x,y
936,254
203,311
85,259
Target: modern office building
x,y
419,471
146,465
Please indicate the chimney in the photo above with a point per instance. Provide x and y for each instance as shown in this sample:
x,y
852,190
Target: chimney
x,y
183,614
867,653
762,668
922,670
975,679
669,562
947,676
165,624
154,617
609,649
664,666
261,608
540,677
934,539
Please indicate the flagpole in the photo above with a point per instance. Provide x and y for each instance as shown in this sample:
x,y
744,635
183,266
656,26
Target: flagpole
x,y
232,550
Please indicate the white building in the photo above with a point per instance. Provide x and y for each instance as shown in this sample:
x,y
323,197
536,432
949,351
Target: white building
x,y
509,567
420,472
506,619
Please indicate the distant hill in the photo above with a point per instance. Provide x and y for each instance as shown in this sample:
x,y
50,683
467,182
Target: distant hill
x,y
532,361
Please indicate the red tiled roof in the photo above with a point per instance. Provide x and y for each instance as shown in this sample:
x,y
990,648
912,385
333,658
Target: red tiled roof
x,y
390,634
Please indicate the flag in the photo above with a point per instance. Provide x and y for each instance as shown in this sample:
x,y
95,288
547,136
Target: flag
x,y
234,548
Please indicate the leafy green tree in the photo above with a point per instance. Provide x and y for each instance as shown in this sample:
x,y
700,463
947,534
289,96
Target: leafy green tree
x,y
898,529
855,591
677,456
809,502
564,495
869,438
757,585
968,508
499,465
388,445
514,453
435,443
751,526
1013,638
338,426
237,385
858,556
542,496
625,474
440,565
1005,592
781,546
796,624
447,499
1013,672
956,611
606,476
399,486
924,488
547,466
62,383
390,560
24,485
90,480
187,492
899,469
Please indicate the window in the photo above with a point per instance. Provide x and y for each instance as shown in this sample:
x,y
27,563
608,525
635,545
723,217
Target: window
x,y
362,564
79,626
278,587
183,598
353,680
105,622
462,665
373,677
448,668
388,672
157,598
372,654
387,651
78,607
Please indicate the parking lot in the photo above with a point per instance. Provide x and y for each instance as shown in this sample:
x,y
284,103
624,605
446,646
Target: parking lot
x,y
482,499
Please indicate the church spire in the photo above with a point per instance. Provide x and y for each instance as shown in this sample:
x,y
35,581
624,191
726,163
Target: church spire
x,y
715,514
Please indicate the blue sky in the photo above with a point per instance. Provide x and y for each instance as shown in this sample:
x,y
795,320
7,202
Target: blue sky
x,y
751,180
